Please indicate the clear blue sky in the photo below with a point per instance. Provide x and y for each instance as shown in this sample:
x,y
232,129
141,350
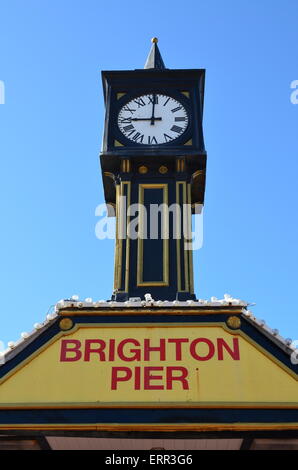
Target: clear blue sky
x,y
51,55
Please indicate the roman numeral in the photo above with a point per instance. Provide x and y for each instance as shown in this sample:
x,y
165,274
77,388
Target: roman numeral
x,y
140,102
151,140
125,120
167,138
180,118
166,101
128,128
130,132
126,108
177,129
153,99
138,137
174,110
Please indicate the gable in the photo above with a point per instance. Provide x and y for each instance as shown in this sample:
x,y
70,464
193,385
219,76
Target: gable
x,y
183,363
143,370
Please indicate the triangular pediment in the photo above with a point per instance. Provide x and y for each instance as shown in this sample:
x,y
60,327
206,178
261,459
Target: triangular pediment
x,y
195,362
95,363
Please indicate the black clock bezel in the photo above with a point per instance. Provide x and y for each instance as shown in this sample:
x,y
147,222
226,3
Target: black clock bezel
x,y
175,94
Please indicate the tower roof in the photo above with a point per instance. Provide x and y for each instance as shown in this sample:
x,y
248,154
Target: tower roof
x,y
154,59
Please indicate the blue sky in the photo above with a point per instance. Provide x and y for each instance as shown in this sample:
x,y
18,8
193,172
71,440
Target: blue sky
x,y
51,126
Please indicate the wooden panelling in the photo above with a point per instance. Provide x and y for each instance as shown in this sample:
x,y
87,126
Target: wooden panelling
x,y
82,443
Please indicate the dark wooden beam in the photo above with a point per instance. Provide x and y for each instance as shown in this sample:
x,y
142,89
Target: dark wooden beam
x,y
246,443
290,434
43,442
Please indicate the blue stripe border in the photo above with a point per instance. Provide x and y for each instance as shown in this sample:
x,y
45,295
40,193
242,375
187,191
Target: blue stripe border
x,y
147,416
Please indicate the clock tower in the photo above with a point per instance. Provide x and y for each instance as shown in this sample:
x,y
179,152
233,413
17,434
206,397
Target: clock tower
x,y
153,164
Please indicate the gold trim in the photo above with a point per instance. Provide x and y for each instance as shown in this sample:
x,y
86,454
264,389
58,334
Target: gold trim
x,y
143,170
146,405
163,169
65,324
118,144
125,165
109,175
153,311
185,93
234,322
181,240
190,252
128,183
185,251
119,95
111,209
198,427
140,262
123,221
180,165
189,142
118,247
197,173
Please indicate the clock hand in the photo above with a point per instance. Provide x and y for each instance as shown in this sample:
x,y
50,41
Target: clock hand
x,y
153,107
147,119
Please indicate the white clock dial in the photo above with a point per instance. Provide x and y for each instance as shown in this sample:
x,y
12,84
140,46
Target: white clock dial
x,y
153,119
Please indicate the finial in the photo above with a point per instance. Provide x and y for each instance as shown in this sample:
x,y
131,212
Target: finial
x,y
154,59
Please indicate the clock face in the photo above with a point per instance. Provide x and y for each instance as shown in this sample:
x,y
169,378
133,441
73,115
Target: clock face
x,y
153,119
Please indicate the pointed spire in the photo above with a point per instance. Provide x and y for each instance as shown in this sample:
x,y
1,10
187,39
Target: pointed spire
x,y
154,59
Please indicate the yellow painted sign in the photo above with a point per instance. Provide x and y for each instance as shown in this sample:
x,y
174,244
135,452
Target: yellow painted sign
x,y
185,364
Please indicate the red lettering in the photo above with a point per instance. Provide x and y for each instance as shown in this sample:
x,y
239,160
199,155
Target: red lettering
x,y
99,350
148,377
181,378
161,349
221,345
137,352
112,350
178,343
210,345
117,377
65,348
137,378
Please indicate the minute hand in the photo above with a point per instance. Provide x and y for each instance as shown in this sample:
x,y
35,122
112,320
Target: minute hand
x,y
146,119
153,108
